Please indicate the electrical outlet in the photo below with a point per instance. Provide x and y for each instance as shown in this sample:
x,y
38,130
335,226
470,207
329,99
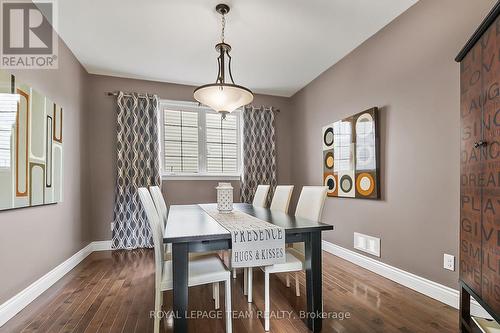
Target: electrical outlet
x,y
112,225
449,262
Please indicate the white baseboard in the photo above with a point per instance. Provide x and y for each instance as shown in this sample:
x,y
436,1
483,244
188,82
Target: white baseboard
x,y
422,285
101,245
18,302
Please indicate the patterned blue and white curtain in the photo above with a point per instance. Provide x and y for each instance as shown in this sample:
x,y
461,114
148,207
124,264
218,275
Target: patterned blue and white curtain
x,y
138,165
259,151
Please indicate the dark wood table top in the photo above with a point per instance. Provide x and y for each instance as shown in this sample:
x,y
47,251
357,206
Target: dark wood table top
x,y
190,223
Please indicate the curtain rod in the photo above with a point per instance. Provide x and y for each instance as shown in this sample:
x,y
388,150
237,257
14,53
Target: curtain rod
x,y
264,106
115,93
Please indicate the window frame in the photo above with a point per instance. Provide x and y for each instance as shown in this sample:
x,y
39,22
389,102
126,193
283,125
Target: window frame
x,y
202,143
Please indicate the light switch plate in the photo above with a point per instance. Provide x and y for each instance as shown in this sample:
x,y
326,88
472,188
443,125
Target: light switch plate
x,y
449,262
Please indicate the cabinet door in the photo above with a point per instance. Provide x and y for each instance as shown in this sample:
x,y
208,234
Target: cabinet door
x,y
490,71
471,169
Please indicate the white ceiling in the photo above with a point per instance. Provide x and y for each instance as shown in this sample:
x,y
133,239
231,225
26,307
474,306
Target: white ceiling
x,y
279,46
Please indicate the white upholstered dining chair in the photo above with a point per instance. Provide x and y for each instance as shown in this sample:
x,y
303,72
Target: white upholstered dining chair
x,y
309,206
161,209
259,200
159,201
311,202
281,198
260,197
281,201
202,270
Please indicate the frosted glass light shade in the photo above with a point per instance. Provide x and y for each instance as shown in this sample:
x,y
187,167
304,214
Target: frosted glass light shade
x,y
224,98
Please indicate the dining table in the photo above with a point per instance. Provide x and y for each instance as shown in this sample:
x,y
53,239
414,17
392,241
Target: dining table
x,y
191,229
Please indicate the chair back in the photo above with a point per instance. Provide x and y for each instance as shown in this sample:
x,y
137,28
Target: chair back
x,y
311,202
156,229
161,209
161,206
260,197
281,198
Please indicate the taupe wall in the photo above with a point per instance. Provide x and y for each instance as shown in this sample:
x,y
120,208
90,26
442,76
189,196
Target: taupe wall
x,y
407,70
35,240
102,142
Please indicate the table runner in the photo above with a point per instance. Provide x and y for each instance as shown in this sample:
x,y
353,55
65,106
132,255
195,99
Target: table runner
x,y
254,242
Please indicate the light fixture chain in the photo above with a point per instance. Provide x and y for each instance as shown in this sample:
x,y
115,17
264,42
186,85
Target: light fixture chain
x,y
223,27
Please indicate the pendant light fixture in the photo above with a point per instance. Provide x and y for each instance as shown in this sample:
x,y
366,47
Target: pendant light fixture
x,y
222,96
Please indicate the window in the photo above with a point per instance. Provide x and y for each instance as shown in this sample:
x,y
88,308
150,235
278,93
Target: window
x,y
197,142
222,143
181,141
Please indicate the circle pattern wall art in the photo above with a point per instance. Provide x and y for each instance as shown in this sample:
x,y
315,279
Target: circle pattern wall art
x,y
351,156
346,183
328,137
365,184
364,125
330,181
365,142
329,160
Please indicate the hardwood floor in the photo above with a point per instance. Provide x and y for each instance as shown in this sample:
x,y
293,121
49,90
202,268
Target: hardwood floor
x,y
113,292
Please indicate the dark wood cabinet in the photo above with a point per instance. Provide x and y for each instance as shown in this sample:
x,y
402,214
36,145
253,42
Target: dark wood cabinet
x,y
480,170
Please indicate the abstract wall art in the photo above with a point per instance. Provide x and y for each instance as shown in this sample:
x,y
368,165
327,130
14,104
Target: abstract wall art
x,y
350,156
31,146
